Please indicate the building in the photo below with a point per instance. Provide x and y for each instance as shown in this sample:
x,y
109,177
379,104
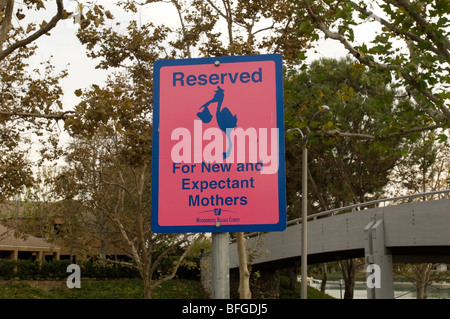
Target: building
x,y
26,247
53,238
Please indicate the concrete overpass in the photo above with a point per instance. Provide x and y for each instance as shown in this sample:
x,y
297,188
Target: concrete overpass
x,y
402,233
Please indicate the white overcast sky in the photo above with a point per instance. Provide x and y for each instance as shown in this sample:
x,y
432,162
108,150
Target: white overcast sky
x,y
67,52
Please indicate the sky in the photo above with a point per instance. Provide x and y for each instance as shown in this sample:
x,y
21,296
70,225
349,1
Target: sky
x,y
66,51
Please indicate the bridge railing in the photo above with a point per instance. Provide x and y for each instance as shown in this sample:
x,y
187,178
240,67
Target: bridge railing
x,y
374,203
357,207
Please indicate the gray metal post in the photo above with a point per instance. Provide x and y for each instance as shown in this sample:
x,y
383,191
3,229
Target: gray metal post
x,y
304,258
379,258
220,266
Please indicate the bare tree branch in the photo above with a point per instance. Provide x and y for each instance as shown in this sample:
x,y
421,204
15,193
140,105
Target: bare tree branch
x,y
217,9
8,6
347,134
413,130
440,50
56,116
175,269
43,30
445,112
183,27
383,137
441,42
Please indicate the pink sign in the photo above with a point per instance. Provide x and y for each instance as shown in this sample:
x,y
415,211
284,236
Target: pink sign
x,y
218,153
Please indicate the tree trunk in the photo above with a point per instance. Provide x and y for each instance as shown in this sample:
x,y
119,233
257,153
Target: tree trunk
x,y
292,278
422,273
421,289
348,268
146,275
147,287
103,252
324,278
244,273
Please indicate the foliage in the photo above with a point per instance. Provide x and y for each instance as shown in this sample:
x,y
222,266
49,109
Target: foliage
x,y
410,45
286,293
6,269
205,28
122,108
29,96
101,289
189,268
201,247
108,162
20,290
426,168
111,180
351,168
57,269
354,147
61,222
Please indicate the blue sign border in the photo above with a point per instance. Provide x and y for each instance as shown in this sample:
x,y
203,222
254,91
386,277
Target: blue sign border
x,y
281,225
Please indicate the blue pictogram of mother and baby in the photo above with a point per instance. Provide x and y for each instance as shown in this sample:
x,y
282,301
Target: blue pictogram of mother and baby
x,y
225,120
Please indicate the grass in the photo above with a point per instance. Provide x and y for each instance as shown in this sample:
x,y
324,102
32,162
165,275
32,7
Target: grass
x,y
101,289
20,290
312,294
286,293
124,289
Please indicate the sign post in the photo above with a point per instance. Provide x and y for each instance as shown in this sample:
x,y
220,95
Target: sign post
x,y
220,266
218,148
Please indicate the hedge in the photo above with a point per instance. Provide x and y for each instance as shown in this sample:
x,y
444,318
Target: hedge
x,y
57,269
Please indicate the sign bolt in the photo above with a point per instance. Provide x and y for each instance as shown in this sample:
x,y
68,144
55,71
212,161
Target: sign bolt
x,y
218,224
217,63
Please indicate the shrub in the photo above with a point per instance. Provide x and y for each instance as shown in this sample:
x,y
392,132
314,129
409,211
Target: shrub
x,y
7,267
189,268
26,269
57,269
94,269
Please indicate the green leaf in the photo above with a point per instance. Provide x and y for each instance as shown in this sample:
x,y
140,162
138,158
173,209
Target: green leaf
x,y
442,138
315,124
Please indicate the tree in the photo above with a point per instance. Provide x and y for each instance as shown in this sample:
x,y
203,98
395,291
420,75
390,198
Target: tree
x,y
35,101
206,28
424,169
111,156
345,168
30,98
411,48
363,107
113,186
411,45
10,44
23,94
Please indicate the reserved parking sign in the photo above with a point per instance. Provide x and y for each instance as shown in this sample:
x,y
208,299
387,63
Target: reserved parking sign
x,y
218,145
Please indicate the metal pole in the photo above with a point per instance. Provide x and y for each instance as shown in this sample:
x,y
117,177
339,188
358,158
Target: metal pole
x,y
220,266
304,260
